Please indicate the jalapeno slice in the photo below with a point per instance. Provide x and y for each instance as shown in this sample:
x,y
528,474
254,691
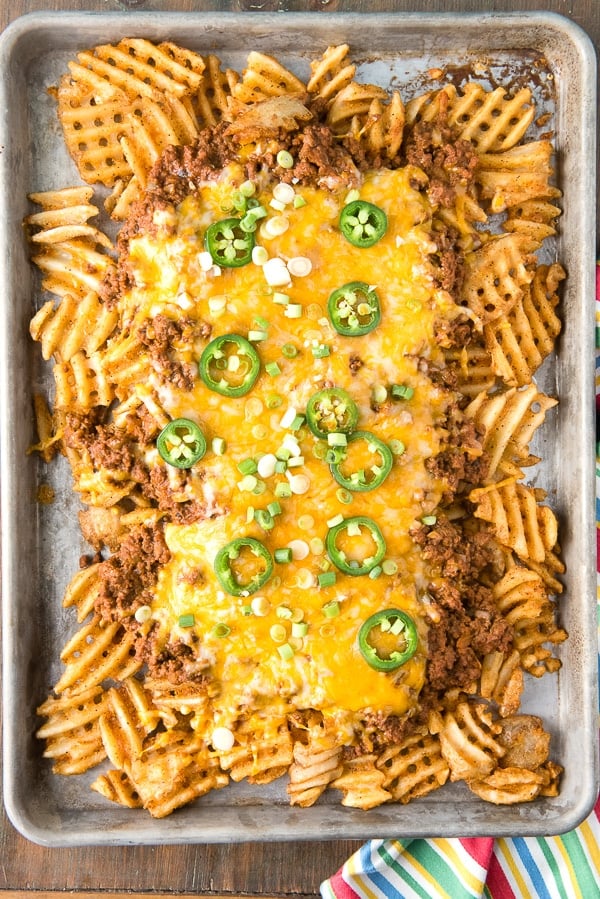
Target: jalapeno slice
x,y
260,558
362,223
354,309
354,527
181,443
331,410
229,365
228,243
391,623
371,477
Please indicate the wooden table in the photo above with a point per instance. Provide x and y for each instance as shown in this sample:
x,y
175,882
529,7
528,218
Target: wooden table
x,y
276,869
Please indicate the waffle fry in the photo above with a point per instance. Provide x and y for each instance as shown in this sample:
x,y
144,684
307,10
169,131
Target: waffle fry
x,y
519,522
331,73
117,787
95,653
211,100
125,722
468,741
265,77
353,104
414,768
535,218
75,325
520,174
264,756
502,681
72,731
361,782
497,275
519,344
312,770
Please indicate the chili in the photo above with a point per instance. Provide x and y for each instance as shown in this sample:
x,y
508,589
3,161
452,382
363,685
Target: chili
x,y
362,223
181,443
390,621
331,410
361,481
354,309
338,557
229,553
215,363
228,243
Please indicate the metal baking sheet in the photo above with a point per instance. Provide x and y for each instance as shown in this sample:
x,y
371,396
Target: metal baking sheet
x,y
40,543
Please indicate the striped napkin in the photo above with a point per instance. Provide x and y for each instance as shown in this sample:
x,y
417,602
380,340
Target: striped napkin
x,y
564,867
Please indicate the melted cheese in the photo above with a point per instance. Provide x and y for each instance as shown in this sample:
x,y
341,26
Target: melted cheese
x,y
326,671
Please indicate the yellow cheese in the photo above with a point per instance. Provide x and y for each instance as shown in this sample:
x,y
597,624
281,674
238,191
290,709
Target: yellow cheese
x,y
326,670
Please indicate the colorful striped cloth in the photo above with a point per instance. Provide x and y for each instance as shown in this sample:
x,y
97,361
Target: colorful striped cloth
x,y
563,867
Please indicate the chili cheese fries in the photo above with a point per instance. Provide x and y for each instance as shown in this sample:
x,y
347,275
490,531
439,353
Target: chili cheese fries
x,y
297,398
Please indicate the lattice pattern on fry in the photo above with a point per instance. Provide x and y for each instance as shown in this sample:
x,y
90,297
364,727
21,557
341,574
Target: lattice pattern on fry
x,y
414,768
514,176
473,367
507,786
82,591
523,600
211,100
175,768
362,782
117,787
349,110
536,218
549,569
261,753
265,77
72,267
497,275
316,763
468,739
491,120
331,73
384,128
72,732
125,363
508,421
81,384
118,202
519,522
520,343
501,681
96,652
128,718
76,323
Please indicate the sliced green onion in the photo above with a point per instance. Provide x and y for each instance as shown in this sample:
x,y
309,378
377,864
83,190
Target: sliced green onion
x,y
186,621
375,572
272,369
286,651
259,255
328,579
284,612
321,351
299,629
278,633
297,423
389,566
344,496
282,299
289,350
280,466
283,491
402,391
248,188
293,310
331,609
247,466
264,519
299,202
218,446
255,336
247,611
397,447
285,159
429,519
283,555
221,630
274,508
273,400
337,438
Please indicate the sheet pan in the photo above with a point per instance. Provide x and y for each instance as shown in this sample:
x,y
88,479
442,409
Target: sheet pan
x,y
40,545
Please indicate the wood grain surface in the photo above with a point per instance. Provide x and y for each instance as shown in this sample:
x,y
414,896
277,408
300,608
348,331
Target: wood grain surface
x,y
254,869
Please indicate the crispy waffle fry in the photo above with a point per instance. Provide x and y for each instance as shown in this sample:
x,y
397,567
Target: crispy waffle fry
x,y
82,591
507,786
473,366
519,522
261,754
508,420
517,175
313,768
414,768
497,275
351,105
80,383
331,73
97,652
520,343
501,680
265,77
125,722
72,732
211,100
76,324
536,218
117,787
384,128
361,782
468,740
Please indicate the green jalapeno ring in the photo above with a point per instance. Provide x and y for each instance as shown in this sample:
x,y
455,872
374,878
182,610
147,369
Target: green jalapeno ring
x,y
362,223
181,443
339,559
354,309
228,243
380,472
231,551
333,406
214,352
398,622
